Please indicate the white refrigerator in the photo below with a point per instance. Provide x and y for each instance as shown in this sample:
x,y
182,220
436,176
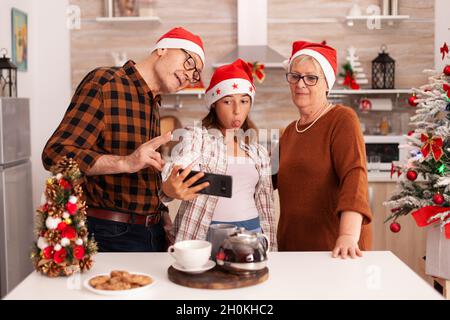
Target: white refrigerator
x,y
16,206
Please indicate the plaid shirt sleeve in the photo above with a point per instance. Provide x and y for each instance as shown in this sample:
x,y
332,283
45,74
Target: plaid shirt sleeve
x,y
264,199
80,128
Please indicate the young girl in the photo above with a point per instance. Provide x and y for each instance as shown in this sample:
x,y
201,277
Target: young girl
x,y
218,147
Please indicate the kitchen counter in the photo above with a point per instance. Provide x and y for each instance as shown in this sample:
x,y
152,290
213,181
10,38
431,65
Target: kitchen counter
x,y
292,275
382,176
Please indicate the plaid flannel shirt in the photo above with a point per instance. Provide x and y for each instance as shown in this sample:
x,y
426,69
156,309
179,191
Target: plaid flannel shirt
x,y
208,151
111,113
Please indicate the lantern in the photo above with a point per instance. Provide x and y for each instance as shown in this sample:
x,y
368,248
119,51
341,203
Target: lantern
x,y
8,76
383,71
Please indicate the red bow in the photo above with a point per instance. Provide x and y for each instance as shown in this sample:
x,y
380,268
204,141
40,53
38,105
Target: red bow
x,y
444,50
395,168
433,145
258,71
350,81
423,215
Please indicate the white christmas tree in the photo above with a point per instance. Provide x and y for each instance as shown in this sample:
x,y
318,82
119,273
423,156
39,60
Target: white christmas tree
x,y
426,198
353,59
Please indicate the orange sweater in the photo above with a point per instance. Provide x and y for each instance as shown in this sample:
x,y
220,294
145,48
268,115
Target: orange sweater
x,y
322,173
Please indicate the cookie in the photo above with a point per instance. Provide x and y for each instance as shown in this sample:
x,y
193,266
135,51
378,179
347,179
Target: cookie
x,y
119,273
140,279
98,280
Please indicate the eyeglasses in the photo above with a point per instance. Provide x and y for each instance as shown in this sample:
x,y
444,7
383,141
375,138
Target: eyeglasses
x,y
308,79
189,65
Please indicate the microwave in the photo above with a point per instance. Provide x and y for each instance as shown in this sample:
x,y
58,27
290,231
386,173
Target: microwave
x,y
381,151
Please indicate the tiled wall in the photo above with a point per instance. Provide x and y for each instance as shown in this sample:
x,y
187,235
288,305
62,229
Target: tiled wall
x,y
410,43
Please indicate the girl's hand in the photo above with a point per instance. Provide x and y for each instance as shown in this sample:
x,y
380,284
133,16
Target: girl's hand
x,y
174,187
346,245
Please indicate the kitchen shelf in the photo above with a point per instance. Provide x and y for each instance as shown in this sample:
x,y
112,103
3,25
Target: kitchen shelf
x,y
191,92
371,91
389,18
127,19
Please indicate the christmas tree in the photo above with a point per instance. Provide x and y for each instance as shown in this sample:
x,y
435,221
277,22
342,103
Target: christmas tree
x,y
62,245
425,193
353,72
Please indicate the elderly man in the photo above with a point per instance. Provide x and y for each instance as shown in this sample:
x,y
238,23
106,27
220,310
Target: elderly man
x,y
112,130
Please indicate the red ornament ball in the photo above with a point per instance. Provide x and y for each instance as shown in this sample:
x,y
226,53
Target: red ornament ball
x,y
69,233
411,175
48,252
60,256
447,70
395,227
71,208
78,252
412,101
438,199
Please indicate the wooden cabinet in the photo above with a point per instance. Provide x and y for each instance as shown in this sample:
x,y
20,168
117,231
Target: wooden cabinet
x,y
410,243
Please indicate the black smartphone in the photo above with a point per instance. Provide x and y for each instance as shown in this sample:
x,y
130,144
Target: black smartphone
x,y
219,185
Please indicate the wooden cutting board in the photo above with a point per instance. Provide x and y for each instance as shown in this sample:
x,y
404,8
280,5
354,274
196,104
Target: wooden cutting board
x,y
217,278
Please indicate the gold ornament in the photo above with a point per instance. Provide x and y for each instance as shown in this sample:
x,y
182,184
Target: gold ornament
x,y
68,221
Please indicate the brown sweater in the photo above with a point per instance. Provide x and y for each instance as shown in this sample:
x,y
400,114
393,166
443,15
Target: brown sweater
x,y
322,173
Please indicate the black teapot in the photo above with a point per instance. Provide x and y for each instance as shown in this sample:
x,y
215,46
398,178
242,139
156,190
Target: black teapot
x,y
243,251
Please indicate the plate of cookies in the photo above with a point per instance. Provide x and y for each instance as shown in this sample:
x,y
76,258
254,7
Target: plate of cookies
x,y
119,282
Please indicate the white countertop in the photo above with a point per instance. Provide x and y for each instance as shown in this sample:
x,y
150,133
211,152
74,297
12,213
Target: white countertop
x,y
292,275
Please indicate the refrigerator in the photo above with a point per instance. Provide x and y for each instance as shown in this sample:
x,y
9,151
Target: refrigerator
x,y
16,204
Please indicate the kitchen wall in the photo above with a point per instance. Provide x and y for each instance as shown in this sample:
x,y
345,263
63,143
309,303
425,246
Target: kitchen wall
x,y
47,81
410,43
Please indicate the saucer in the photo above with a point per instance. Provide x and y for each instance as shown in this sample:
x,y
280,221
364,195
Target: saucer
x,y
209,265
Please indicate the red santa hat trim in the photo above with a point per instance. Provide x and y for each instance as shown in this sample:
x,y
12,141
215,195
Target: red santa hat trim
x,y
234,78
325,56
180,38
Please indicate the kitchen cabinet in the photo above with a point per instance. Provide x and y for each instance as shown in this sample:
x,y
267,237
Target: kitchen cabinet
x,y
410,243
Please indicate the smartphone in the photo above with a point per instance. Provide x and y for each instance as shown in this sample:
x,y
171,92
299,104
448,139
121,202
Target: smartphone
x,y
219,185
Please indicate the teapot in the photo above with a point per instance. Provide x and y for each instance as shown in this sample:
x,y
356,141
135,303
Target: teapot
x,y
243,251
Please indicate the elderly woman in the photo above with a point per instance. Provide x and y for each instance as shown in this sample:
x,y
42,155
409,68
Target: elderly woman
x,y
322,177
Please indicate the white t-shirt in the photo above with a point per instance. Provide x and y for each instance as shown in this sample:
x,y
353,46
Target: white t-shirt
x,y
241,206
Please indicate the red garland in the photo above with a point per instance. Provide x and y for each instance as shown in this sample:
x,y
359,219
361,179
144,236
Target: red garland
x,y
444,50
433,145
258,71
423,215
394,169
60,256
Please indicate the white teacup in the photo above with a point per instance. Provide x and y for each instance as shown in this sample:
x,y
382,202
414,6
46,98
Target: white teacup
x,y
191,254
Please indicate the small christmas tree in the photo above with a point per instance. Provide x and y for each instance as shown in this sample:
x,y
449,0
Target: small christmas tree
x,y
353,59
427,199
353,73
62,247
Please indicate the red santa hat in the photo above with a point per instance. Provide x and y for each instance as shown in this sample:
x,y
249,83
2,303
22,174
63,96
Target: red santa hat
x,y
233,78
325,56
180,38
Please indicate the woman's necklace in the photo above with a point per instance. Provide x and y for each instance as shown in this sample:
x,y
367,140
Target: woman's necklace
x,y
312,123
